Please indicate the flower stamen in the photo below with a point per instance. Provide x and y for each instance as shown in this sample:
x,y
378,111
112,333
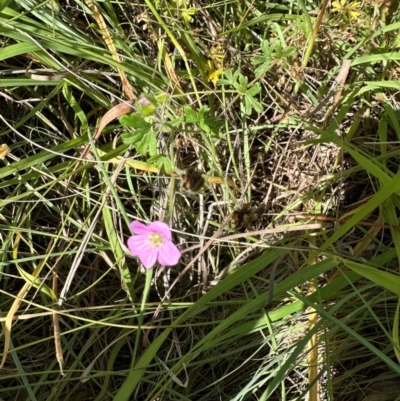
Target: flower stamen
x,y
155,240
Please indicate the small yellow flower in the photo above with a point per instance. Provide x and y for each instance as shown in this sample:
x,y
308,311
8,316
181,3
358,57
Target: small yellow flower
x,y
214,65
214,76
338,5
350,10
186,12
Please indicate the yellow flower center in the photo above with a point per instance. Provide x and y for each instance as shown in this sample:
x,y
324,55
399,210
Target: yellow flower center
x,y
155,240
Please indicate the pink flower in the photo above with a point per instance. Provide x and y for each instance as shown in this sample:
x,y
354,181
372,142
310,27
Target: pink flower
x,y
146,105
153,243
144,101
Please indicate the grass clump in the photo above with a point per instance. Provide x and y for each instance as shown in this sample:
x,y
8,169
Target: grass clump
x,y
265,135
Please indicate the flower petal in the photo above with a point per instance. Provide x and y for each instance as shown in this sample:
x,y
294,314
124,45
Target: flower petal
x,y
139,228
168,254
140,246
161,228
149,258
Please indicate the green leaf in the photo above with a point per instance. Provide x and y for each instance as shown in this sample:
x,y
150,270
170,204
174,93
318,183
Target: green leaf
x,y
256,105
289,52
260,60
208,125
162,162
176,122
37,283
395,331
254,90
228,75
214,124
134,121
148,143
266,49
384,279
203,112
242,86
133,137
261,69
190,115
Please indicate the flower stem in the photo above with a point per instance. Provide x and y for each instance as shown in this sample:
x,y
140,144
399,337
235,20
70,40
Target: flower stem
x,y
146,292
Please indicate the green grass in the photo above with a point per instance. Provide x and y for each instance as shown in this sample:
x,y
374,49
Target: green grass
x,y
298,303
